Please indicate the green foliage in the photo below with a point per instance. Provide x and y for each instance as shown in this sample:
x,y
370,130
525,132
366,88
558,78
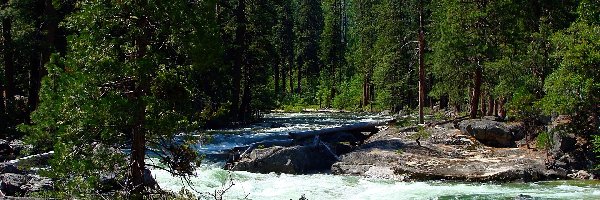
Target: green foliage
x,y
399,151
421,134
405,121
575,85
350,97
544,140
395,75
92,98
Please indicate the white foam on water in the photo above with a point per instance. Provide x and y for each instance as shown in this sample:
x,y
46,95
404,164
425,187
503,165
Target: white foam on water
x,y
323,186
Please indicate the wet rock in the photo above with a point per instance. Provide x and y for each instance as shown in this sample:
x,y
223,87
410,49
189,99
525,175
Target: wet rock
x,y
571,152
6,151
37,183
18,146
19,185
386,112
492,118
290,160
9,168
523,197
10,184
110,182
581,175
492,133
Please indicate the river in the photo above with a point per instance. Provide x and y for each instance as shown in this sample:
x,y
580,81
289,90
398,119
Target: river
x,y
326,186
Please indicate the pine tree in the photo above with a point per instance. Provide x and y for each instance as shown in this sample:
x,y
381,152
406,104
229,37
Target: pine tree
x,y
122,84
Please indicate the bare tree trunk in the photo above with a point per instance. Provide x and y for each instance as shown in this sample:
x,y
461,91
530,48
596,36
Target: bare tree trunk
x,y
421,64
476,91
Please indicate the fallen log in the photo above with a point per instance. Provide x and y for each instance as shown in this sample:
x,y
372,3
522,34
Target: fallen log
x,y
358,128
29,159
235,155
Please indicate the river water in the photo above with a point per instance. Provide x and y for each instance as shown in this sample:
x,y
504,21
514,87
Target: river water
x,y
326,186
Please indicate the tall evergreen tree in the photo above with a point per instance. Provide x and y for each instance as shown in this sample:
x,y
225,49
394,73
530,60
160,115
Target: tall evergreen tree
x,y
308,28
333,49
122,84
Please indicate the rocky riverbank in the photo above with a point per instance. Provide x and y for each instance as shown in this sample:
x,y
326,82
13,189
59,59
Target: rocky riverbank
x,y
471,150
449,154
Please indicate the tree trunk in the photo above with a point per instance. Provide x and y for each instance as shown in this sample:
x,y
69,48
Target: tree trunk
x,y
276,74
496,106
476,92
483,105
246,99
138,146
299,84
365,93
283,76
421,64
490,110
50,27
457,108
238,63
2,100
444,102
291,73
501,110
9,66
3,123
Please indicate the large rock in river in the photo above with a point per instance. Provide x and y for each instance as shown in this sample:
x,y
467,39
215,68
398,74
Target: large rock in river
x,y
19,184
290,160
492,133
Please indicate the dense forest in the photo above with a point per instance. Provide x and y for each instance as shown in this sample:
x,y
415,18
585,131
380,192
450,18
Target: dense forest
x,y
87,78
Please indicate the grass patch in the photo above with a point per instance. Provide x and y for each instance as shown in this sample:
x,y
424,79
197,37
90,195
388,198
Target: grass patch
x,y
422,134
399,151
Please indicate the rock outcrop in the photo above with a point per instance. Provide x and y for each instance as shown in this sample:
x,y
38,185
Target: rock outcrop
x,y
492,133
19,184
393,155
290,160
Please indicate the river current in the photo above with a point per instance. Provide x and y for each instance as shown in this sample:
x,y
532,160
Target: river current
x,y
326,186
